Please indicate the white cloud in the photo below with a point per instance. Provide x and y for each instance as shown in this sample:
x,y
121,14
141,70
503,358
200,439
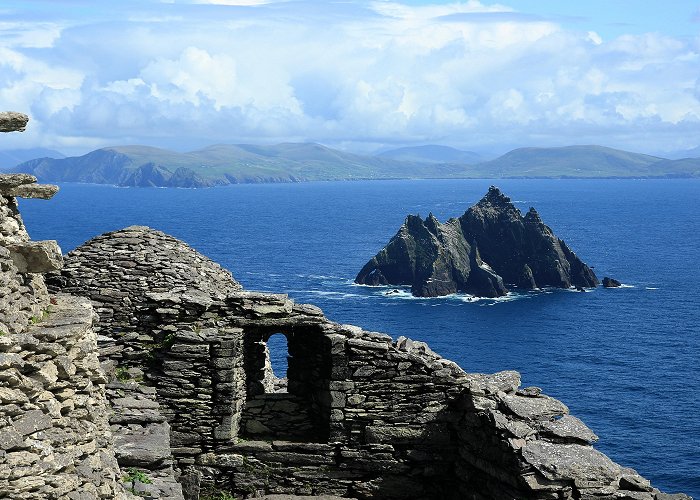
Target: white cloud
x,y
464,73
234,2
30,35
595,37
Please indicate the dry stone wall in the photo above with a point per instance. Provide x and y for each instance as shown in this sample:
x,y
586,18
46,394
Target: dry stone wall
x,y
55,440
23,294
364,416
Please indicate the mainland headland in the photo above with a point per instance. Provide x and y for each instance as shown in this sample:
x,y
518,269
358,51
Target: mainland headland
x,y
224,164
135,367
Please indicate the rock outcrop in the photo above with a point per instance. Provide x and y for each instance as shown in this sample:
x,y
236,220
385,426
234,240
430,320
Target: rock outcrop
x,y
11,121
55,439
611,283
488,248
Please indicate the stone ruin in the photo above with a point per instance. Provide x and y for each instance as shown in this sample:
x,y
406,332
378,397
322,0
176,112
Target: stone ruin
x,y
55,440
186,404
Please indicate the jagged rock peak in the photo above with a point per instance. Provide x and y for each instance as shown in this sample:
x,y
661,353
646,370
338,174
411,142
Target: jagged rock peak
x,y
532,216
168,265
494,196
493,206
432,224
491,244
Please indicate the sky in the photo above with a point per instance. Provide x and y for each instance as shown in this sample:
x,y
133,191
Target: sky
x,y
357,75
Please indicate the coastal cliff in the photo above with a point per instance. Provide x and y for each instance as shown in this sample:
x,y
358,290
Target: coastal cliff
x,y
490,247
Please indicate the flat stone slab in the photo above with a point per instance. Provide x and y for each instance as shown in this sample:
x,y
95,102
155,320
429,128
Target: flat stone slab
x,y
40,191
145,447
585,466
31,422
568,427
537,408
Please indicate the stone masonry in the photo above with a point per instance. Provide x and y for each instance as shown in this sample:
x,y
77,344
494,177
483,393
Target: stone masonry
x,y
55,441
364,416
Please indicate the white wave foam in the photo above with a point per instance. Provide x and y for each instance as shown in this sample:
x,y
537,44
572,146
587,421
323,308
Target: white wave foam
x,y
326,293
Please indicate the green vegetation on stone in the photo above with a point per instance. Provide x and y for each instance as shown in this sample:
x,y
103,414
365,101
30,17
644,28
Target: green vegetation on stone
x,y
133,476
122,374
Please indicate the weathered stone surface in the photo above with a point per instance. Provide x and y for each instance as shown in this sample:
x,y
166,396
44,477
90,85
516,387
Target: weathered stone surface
x,y
534,408
587,467
36,256
9,181
10,438
673,496
11,121
41,191
58,445
145,447
634,482
568,428
489,246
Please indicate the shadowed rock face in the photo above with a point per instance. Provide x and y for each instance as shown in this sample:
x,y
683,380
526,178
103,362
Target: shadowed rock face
x,y
491,244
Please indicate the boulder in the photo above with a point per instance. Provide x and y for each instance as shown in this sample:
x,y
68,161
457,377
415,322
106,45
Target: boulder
x,y
611,283
11,121
36,256
491,245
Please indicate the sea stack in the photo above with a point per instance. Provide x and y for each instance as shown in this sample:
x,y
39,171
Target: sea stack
x,y
611,283
490,247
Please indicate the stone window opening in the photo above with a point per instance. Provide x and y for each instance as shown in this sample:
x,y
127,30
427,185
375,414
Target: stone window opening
x,y
277,358
291,408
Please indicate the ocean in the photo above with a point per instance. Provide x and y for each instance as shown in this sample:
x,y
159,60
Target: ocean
x,y
625,361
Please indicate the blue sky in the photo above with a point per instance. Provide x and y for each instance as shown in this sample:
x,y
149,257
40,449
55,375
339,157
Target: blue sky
x,y
358,75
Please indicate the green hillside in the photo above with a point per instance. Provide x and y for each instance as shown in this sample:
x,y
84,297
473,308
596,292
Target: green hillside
x,y
223,164
571,161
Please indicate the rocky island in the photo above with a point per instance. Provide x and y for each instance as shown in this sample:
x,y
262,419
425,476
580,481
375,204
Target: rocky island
x,y
135,367
489,248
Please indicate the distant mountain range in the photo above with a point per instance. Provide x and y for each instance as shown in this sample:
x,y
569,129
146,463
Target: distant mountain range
x,y
13,157
296,162
433,154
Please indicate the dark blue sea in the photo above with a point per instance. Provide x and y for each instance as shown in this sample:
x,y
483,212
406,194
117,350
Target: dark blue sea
x,y
626,361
